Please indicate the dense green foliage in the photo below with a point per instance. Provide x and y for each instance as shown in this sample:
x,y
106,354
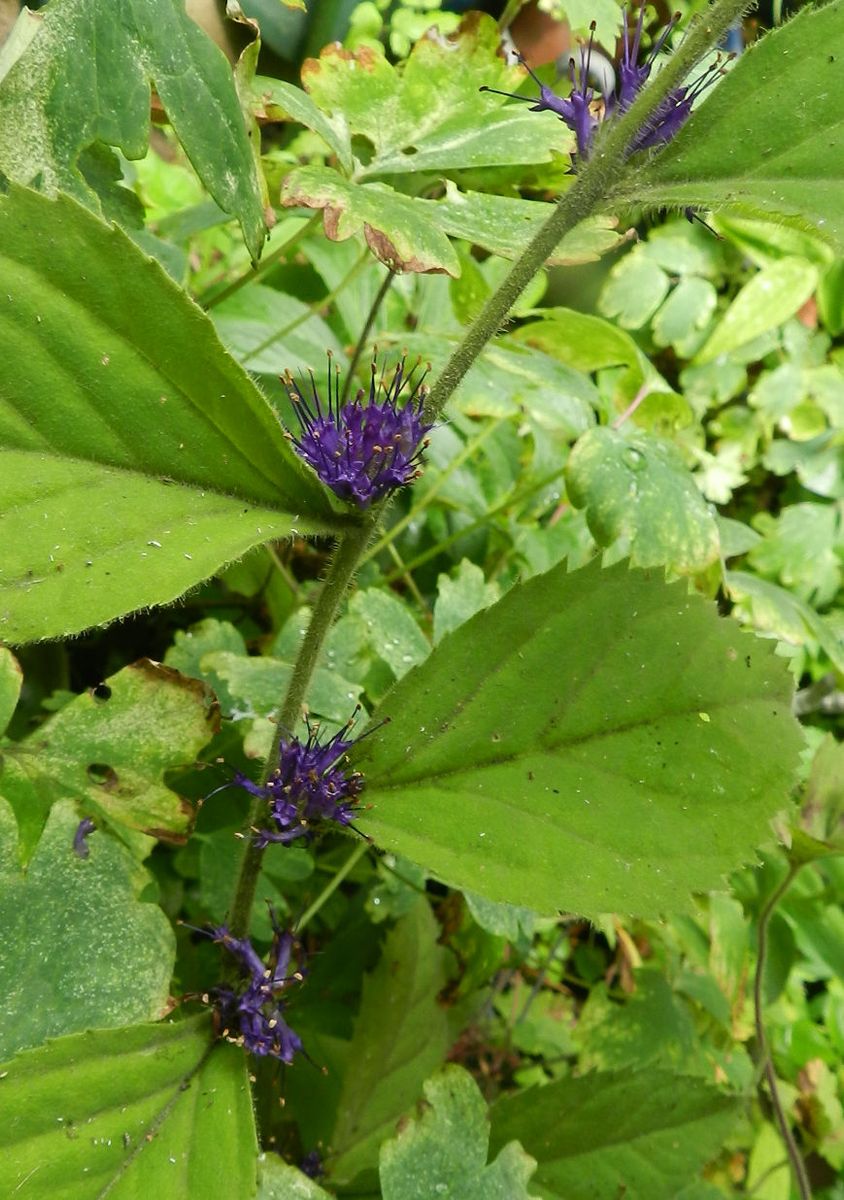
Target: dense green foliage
x,y
584,937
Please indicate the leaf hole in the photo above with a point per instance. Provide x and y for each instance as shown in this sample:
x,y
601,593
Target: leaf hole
x,y
102,774
101,692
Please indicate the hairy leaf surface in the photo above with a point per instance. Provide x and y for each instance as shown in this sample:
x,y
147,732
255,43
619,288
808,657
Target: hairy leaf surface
x,y
732,152
136,457
151,1110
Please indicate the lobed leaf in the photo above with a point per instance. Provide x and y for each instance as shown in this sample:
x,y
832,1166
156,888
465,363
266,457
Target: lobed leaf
x,y
638,488
108,750
444,1151
81,77
79,949
431,116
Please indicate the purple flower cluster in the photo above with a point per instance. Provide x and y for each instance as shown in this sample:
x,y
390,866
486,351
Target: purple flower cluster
x,y
368,446
307,788
251,1015
584,110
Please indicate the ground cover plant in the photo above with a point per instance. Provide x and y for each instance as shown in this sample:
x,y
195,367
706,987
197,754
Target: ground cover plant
x,y
421,543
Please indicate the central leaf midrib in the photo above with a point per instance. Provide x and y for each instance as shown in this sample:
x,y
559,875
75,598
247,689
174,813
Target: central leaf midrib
x,y
553,749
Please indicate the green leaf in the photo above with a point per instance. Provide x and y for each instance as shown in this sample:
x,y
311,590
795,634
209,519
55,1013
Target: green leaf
x,y
769,299
11,679
731,152
687,310
638,488
443,1152
651,1026
643,1135
509,379
136,457
396,228
151,1110
581,13
401,1035
589,343
270,332
505,225
589,743
411,233
78,948
779,613
281,1181
634,291
801,549
391,630
504,920
822,816
109,751
84,78
276,97
460,598
258,686
430,116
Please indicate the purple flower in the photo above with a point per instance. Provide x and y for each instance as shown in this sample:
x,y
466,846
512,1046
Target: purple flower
x,y
80,839
311,1165
583,111
308,788
632,76
368,446
252,1013
674,111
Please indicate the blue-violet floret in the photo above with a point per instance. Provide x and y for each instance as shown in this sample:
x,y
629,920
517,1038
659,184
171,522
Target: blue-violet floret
x,y
368,446
584,110
308,788
251,1014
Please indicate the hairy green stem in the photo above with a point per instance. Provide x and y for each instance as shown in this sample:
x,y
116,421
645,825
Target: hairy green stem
x,y
343,565
596,184
792,1149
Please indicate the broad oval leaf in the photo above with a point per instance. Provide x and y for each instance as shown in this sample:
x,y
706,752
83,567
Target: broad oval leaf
x,y
150,1110
605,1135
136,456
731,152
589,744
